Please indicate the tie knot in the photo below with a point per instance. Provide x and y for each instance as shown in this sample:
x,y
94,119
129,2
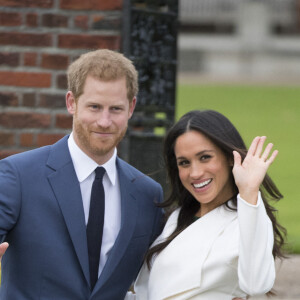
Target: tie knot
x,y
99,171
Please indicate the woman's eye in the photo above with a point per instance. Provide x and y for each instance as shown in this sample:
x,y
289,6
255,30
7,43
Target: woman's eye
x,y
183,163
205,157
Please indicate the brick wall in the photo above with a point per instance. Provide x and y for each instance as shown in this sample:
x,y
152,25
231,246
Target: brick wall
x,y
38,40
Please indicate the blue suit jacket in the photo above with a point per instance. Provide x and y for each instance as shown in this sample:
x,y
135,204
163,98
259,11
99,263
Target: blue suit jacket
x,y
42,218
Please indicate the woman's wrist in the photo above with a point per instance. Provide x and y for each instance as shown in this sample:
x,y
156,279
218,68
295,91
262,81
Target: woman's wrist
x,y
251,196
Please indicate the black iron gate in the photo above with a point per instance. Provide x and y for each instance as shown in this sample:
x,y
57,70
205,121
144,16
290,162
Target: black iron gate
x,y
149,39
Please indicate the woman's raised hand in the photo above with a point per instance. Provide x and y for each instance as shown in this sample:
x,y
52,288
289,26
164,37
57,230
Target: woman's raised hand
x,y
249,174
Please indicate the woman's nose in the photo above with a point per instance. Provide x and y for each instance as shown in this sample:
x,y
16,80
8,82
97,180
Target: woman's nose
x,y
196,171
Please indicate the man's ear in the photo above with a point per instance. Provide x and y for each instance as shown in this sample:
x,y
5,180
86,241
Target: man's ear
x,y
70,103
132,105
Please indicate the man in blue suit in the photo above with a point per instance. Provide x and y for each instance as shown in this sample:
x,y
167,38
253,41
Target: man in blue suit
x,y
45,196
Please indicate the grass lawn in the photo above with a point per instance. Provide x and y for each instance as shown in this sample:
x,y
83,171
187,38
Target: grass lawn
x,y
261,110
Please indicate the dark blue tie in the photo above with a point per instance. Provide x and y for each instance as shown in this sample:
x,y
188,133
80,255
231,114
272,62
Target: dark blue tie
x,y
94,228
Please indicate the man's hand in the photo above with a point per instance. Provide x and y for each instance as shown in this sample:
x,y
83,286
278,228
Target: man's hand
x,y
3,248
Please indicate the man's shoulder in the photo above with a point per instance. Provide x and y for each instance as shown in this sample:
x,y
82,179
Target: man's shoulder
x,y
135,174
25,155
32,155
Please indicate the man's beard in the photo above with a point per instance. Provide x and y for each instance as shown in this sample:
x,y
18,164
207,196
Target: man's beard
x,y
90,144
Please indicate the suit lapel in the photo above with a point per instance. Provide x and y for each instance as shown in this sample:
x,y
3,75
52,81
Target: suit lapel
x,y
129,212
66,188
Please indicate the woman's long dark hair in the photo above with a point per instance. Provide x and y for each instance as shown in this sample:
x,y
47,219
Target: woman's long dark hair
x,y
224,135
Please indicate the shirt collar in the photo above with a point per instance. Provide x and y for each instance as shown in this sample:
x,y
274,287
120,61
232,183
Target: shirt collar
x,y
84,165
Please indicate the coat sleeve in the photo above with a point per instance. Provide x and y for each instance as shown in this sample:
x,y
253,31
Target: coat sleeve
x,y
158,222
10,195
256,266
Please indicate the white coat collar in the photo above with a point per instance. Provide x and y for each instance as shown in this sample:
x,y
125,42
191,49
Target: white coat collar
x,y
178,258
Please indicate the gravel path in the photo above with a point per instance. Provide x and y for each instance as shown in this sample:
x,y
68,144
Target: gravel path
x,y
287,284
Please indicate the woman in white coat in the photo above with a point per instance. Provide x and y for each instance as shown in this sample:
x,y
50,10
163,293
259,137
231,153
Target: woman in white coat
x,y
222,236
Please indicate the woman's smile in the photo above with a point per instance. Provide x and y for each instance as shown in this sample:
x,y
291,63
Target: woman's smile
x,y
202,185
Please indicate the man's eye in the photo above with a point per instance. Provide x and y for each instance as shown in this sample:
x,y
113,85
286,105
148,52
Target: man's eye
x,y
116,108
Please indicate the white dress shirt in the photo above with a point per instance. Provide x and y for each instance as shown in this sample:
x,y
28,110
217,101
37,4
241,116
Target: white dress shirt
x,y
84,168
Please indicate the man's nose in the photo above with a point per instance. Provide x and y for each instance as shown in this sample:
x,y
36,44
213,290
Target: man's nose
x,y
104,119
